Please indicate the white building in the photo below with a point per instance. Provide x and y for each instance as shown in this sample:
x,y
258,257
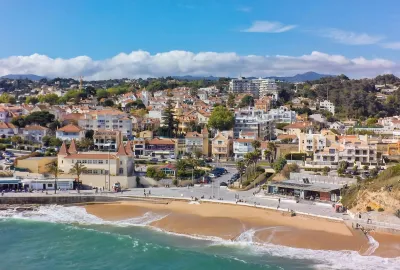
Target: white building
x,y
107,119
256,87
70,132
34,133
328,106
282,115
255,121
241,147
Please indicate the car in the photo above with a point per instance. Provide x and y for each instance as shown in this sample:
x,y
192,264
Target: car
x,y
217,173
222,170
205,179
208,160
154,159
211,175
223,184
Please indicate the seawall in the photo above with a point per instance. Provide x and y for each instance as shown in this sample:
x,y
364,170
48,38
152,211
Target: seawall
x,y
49,199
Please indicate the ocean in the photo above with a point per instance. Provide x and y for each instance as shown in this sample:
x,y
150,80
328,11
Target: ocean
x,y
59,238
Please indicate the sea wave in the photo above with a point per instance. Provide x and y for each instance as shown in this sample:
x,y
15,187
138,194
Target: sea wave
x,y
246,240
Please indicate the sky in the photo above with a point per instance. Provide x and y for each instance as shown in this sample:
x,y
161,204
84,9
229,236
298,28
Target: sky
x,y
104,39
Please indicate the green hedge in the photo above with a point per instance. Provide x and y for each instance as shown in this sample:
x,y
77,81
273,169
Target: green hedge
x,y
314,169
295,156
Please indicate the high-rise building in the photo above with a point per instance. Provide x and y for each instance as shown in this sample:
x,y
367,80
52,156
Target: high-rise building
x,y
256,87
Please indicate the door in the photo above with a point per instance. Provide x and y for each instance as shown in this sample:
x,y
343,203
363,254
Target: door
x,y
44,186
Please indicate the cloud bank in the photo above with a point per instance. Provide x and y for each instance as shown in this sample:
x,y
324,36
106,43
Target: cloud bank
x,y
142,64
268,27
351,38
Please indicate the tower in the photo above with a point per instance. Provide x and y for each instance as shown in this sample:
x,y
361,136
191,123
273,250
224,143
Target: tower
x,y
80,82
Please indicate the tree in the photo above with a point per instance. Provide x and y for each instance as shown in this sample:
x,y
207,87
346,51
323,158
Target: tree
x,y
231,100
247,100
240,166
41,118
78,169
268,155
159,175
288,168
272,147
49,98
279,164
46,140
55,141
326,170
16,140
151,172
108,103
169,120
31,100
256,144
18,121
198,153
54,170
7,98
101,93
89,134
221,118
85,143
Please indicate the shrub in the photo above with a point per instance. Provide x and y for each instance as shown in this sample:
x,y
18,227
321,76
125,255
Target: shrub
x,y
295,156
260,169
397,213
380,209
369,209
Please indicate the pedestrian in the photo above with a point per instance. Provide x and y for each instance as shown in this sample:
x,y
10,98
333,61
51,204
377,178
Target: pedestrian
x,y
279,200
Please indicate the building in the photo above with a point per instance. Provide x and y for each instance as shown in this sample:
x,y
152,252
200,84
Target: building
x,y
70,132
241,147
297,128
115,166
281,115
169,170
7,130
139,145
263,104
256,87
310,142
222,145
107,139
36,164
327,106
34,133
160,147
48,184
255,121
108,119
198,142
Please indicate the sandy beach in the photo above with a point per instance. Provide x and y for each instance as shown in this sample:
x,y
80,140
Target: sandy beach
x,y
266,226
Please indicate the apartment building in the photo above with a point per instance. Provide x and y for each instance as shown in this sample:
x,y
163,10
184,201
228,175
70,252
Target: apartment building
x,y
256,121
353,149
222,145
263,104
7,130
328,106
256,87
310,142
282,115
241,147
108,119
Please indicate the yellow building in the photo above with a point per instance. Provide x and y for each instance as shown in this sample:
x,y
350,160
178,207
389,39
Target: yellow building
x,y
36,164
222,146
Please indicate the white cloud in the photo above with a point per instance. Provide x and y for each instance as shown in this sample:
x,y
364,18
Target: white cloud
x,y
351,38
391,45
268,27
143,64
244,9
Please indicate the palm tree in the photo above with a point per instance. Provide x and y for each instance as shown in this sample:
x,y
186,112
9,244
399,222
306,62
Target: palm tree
x,y
54,170
256,144
240,166
78,169
247,161
267,155
256,155
272,147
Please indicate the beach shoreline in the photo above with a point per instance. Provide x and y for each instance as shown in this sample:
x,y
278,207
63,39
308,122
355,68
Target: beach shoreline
x,y
259,225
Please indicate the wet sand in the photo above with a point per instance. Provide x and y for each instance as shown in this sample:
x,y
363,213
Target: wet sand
x,y
230,221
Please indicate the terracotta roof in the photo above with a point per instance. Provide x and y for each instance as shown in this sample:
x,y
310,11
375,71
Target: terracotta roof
x,y
128,148
73,116
63,149
193,135
6,125
72,148
70,128
299,125
161,141
91,156
286,136
35,127
121,150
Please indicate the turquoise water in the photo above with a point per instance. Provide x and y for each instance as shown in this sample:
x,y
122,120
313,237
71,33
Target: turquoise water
x,y
52,239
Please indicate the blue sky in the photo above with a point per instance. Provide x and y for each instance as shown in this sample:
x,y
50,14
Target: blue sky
x,y
102,30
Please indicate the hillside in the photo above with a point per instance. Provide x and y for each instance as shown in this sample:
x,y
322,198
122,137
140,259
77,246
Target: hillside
x,y
32,77
380,192
308,76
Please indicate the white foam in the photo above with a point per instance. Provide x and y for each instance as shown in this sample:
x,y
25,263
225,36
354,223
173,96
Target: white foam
x,y
246,240
373,245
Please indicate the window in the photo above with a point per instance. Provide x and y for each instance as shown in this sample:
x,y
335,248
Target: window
x,y
100,162
94,161
106,161
121,170
120,163
49,185
89,161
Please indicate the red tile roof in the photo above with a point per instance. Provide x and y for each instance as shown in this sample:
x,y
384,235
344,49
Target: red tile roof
x,y
70,128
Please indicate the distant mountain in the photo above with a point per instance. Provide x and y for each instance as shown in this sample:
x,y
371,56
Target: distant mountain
x,y
32,77
308,76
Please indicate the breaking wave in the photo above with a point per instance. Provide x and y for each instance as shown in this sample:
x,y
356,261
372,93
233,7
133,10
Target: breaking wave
x,y
322,259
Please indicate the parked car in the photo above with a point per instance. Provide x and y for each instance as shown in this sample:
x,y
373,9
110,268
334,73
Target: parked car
x,y
154,159
217,173
211,175
205,179
222,170
223,184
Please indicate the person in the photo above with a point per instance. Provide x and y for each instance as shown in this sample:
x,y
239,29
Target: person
x,y
279,200
149,192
